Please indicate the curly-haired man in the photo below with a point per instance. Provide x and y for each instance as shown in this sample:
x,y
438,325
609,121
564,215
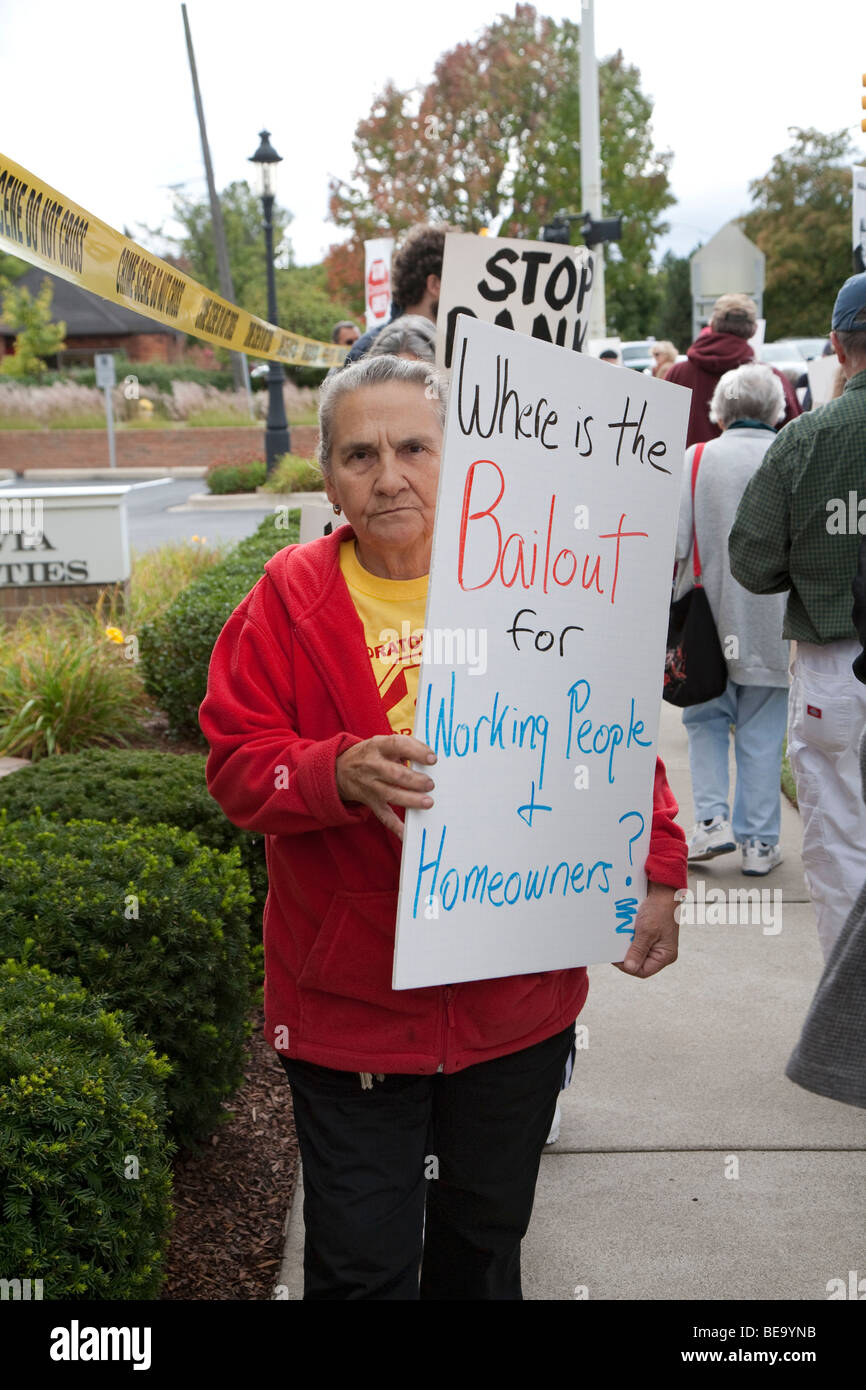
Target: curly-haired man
x,y
415,281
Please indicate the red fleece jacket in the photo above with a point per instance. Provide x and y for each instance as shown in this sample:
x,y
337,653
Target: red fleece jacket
x,y
708,358
290,688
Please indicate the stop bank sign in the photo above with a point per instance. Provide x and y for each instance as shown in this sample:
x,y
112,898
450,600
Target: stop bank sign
x,y
378,288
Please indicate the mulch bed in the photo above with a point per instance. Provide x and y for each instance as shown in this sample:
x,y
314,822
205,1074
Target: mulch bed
x,y
232,1200
157,738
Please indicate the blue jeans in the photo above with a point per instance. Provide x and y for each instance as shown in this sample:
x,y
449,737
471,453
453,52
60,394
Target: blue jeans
x,y
759,714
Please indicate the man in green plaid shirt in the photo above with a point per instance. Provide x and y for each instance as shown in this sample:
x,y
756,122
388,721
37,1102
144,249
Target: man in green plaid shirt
x,y
798,528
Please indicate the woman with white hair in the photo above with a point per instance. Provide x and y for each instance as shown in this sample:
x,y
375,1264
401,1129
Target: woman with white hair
x,y
747,405
411,336
421,1113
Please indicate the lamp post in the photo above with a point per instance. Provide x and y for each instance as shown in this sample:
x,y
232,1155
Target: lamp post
x,y
277,438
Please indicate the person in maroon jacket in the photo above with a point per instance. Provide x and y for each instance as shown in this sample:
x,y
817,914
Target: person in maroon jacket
x,y
722,349
301,726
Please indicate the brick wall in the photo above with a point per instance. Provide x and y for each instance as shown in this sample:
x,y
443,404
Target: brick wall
x,y
181,448
138,347
16,599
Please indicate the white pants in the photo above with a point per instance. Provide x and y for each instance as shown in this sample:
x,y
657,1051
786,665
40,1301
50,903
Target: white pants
x,y
826,717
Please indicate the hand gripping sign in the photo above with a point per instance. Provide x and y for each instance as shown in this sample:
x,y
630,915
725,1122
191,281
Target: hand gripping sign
x,y
47,229
555,531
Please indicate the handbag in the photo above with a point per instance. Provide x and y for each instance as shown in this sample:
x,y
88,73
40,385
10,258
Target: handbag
x,y
695,665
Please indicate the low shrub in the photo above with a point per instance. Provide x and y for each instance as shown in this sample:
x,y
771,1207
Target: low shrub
x,y
129,785
291,473
176,647
158,374
64,686
242,476
85,1181
153,921
158,576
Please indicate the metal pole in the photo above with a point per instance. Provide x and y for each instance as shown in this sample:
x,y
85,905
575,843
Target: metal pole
x,y
277,438
109,420
240,368
590,161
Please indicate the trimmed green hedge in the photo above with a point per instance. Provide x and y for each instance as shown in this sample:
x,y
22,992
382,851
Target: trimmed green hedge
x,y
176,648
156,923
158,374
244,476
291,473
85,1180
130,785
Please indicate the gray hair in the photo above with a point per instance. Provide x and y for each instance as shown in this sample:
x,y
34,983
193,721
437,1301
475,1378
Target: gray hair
x,y
344,323
751,392
410,333
374,371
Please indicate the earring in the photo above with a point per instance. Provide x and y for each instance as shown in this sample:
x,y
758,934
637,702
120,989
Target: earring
x,y
337,508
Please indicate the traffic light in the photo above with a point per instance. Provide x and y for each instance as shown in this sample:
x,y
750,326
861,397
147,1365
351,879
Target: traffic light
x,y
863,104
593,231
558,230
605,229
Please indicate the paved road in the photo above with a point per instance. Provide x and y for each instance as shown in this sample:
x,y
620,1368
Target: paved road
x,y
152,523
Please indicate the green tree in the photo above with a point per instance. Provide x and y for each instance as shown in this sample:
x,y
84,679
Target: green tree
x,y
11,268
305,304
195,250
801,219
674,320
495,137
38,336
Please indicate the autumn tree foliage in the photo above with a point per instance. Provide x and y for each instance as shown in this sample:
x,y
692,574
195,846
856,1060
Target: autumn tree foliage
x,y
801,220
494,138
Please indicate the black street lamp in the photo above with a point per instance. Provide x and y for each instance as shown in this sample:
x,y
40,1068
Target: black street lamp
x,y
277,438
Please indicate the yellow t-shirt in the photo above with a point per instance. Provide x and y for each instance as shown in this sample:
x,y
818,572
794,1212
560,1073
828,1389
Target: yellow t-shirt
x,y
392,613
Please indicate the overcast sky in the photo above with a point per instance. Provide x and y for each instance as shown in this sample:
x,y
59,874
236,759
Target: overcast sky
x,y
97,97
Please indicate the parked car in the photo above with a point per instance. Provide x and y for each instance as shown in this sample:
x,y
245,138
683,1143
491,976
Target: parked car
x,y
810,347
637,355
785,357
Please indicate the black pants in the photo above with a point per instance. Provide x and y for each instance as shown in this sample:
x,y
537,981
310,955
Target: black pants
x,y
423,1175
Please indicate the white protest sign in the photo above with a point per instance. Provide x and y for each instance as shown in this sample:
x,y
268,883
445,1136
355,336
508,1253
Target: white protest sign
x,y
537,287
377,280
541,679
822,378
756,342
858,209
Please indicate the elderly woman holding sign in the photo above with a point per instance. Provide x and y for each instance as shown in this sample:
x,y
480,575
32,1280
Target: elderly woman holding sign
x,y
421,1113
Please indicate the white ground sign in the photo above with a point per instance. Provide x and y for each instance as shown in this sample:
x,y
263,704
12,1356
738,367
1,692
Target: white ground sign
x,y
63,536
544,644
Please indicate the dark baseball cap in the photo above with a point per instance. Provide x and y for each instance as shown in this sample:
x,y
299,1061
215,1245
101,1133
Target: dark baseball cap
x,y
850,305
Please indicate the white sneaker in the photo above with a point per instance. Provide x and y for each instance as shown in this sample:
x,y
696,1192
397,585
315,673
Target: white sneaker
x,y
554,1128
759,857
711,837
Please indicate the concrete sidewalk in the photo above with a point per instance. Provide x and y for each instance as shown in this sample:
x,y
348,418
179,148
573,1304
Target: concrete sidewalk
x,y
688,1166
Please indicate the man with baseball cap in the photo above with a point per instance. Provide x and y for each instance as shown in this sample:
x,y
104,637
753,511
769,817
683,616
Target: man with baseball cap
x,y
719,348
798,527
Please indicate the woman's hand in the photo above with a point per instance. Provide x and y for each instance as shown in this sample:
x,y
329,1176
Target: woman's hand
x,y
656,932
375,773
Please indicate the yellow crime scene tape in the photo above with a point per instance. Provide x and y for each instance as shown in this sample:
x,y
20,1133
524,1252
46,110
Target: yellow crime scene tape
x,y
40,225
